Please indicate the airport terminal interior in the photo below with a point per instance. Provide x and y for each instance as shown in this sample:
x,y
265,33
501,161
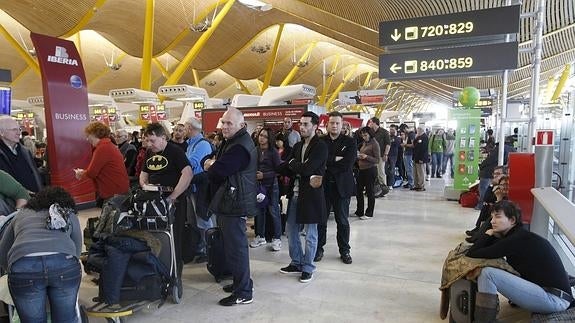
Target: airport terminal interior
x,y
480,71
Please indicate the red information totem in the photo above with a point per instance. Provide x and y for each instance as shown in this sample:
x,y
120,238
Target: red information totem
x,y
66,109
521,181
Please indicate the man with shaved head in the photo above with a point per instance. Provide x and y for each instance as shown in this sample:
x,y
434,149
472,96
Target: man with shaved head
x,y
16,159
234,169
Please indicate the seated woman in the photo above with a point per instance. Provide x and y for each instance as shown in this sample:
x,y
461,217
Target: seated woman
x,y
543,286
40,250
495,193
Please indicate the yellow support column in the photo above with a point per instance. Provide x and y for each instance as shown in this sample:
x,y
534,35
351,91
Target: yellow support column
x,y
340,87
87,17
79,44
296,68
329,80
195,50
25,55
244,87
196,77
272,59
146,78
561,83
161,67
367,79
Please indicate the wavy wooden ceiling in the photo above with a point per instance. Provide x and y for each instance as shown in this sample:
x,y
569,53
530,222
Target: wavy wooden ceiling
x,y
344,31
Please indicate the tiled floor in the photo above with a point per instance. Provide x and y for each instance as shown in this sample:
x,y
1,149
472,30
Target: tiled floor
x,y
395,275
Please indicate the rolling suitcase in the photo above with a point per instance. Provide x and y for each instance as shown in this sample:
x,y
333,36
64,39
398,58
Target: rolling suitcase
x,y
216,259
462,301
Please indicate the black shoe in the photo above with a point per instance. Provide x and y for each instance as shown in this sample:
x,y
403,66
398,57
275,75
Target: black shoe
x,y
305,277
228,288
406,186
472,231
234,300
318,256
291,269
346,258
201,258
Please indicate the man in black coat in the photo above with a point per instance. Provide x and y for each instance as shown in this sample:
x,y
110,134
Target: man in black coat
x,y
306,167
420,157
16,159
338,185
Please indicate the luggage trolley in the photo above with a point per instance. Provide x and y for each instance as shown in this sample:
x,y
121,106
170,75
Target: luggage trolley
x,y
152,213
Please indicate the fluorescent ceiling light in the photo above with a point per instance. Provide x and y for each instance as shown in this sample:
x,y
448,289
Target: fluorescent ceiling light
x,y
256,4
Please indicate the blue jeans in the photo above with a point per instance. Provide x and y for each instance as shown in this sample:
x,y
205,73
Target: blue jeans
x,y
274,208
448,158
302,260
408,163
483,185
436,164
522,292
56,277
203,225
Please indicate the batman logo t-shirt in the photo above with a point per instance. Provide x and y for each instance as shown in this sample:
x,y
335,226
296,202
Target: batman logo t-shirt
x,y
164,168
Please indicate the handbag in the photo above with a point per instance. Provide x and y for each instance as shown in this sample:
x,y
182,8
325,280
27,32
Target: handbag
x,y
263,200
225,201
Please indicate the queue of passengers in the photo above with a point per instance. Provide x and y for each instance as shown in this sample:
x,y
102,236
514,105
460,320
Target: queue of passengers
x,y
314,172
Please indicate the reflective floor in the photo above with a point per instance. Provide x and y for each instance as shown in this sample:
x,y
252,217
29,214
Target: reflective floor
x,y
395,275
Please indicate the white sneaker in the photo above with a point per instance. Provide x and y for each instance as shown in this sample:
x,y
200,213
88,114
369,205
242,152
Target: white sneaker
x,y
365,217
276,245
258,241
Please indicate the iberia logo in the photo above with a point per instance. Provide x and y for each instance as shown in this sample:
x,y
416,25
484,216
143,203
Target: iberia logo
x,y
61,57
157,162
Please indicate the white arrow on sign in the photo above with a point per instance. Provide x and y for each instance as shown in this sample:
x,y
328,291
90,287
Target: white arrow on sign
x,y
394,68
396,35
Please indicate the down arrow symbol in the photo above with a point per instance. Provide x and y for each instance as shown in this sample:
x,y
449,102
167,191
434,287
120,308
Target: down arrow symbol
x,y
396,35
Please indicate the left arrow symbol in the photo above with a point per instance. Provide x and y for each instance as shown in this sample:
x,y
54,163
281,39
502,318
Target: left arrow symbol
x,y
394,68
396,35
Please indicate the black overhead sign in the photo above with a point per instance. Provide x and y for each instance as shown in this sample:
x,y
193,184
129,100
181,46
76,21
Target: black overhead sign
x,y
446,62
463,25
5,76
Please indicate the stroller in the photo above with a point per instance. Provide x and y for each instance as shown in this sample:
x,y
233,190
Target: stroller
x,y
150,215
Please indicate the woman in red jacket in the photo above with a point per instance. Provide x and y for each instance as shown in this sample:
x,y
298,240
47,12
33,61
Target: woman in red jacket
x,y
106,168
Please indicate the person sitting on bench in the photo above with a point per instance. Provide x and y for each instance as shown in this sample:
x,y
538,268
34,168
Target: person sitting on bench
x,y
544,284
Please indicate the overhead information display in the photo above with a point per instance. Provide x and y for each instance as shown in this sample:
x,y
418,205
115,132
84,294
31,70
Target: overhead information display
x,y
445,62
466,26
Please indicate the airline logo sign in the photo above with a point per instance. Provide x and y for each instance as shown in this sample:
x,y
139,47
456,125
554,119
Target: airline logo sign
x,y
61,57
544,137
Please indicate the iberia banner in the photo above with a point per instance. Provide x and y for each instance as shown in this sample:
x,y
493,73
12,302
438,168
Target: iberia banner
x,y
66,109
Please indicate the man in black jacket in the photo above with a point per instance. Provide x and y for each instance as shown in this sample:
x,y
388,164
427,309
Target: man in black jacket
x,y
338,185
236,164
15,159
305,166
420,157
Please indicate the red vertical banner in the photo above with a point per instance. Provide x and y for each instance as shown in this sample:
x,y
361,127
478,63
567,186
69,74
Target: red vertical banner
x,y
67,114
521,181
